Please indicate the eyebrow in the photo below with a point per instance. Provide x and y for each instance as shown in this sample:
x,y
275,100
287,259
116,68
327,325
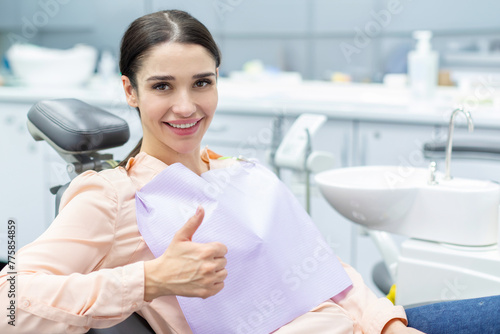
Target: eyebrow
x,y
171,77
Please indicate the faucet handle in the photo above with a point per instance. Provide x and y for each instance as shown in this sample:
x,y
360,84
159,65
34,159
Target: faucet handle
x,y
432,173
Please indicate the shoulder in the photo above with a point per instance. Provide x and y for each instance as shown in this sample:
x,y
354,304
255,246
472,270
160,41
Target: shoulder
x,y
107,185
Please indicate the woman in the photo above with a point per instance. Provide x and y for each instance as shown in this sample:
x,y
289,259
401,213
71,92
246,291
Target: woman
x,y
92,268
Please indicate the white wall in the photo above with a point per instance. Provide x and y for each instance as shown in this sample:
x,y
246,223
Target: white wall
x,y
309,36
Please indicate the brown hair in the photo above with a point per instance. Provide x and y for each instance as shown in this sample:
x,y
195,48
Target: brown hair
x,y
157,28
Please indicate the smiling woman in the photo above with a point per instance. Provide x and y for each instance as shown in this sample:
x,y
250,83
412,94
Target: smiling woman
x,y
126,240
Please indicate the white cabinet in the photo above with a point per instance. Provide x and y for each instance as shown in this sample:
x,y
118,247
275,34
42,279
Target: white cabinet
x,y
246,135
392,144
335,137
23,186
402,144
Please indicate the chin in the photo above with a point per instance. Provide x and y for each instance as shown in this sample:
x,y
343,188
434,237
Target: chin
x,y
187,149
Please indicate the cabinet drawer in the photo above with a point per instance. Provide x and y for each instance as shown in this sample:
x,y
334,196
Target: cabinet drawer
x,y
239,131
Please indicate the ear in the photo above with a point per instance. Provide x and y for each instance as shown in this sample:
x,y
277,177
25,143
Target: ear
x,y
130,92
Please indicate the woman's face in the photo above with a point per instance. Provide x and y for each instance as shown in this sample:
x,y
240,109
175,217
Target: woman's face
x,y
177,97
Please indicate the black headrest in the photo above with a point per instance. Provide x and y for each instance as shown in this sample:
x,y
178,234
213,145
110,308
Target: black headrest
x,y
73,126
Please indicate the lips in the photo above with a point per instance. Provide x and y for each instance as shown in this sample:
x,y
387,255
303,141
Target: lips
x,y
184,127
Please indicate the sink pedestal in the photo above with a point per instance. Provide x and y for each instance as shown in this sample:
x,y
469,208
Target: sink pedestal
x,y
434,272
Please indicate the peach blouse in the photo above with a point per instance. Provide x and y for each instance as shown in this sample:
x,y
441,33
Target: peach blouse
x,y
87,269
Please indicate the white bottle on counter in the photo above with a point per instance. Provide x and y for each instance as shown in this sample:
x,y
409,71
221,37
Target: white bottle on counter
x,y
423,67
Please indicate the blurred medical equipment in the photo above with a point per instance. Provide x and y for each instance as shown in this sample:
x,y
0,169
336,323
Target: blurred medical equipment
x,y
452,252
423,66
78,132
295,150
477,148
39,66
256,71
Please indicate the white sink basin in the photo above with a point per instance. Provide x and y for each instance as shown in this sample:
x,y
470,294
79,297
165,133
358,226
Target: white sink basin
x,y
399,200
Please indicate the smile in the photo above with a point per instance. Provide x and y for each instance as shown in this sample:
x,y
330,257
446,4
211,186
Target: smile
x,y
182,126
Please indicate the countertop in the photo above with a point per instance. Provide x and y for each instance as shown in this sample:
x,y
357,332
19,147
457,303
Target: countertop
x,y
367,102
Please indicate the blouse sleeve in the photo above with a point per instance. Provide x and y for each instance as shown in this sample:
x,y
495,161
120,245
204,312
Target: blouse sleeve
x,y
369,312
58,287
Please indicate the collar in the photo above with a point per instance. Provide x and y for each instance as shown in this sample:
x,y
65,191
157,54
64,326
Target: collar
x,y
143,167
207,156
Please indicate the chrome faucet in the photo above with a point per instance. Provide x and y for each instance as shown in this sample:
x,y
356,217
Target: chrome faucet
x,y
432,174
450,137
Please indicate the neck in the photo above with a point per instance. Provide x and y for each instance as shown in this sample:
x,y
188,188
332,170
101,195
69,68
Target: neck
x,y
191,160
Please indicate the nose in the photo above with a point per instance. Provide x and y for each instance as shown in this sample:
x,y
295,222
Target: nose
x,y
183,104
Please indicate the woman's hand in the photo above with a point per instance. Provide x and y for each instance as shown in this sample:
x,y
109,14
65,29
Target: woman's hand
x,y
187,268
396,326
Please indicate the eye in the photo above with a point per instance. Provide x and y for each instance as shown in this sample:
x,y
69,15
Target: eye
x,y
161,86
202,83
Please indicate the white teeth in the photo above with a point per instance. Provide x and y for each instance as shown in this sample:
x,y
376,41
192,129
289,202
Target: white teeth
x,y
182,126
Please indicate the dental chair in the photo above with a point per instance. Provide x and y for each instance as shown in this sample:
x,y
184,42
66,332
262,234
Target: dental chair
x,y
78,131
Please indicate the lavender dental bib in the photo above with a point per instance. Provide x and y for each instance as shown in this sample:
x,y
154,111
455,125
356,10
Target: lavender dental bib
x,y
279,267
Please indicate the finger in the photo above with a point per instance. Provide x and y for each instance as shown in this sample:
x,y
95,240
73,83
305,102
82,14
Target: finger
x,y
219,249
221,264
221,275
218,287
186,232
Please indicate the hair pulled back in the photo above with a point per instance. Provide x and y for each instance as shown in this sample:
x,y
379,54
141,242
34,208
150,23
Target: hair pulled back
x,y
156,28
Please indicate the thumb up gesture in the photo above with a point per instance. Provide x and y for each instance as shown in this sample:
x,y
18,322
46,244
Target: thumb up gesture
x,y
187,268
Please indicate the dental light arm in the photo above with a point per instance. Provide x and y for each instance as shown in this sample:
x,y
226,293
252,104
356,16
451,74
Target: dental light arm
x,y
295,151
